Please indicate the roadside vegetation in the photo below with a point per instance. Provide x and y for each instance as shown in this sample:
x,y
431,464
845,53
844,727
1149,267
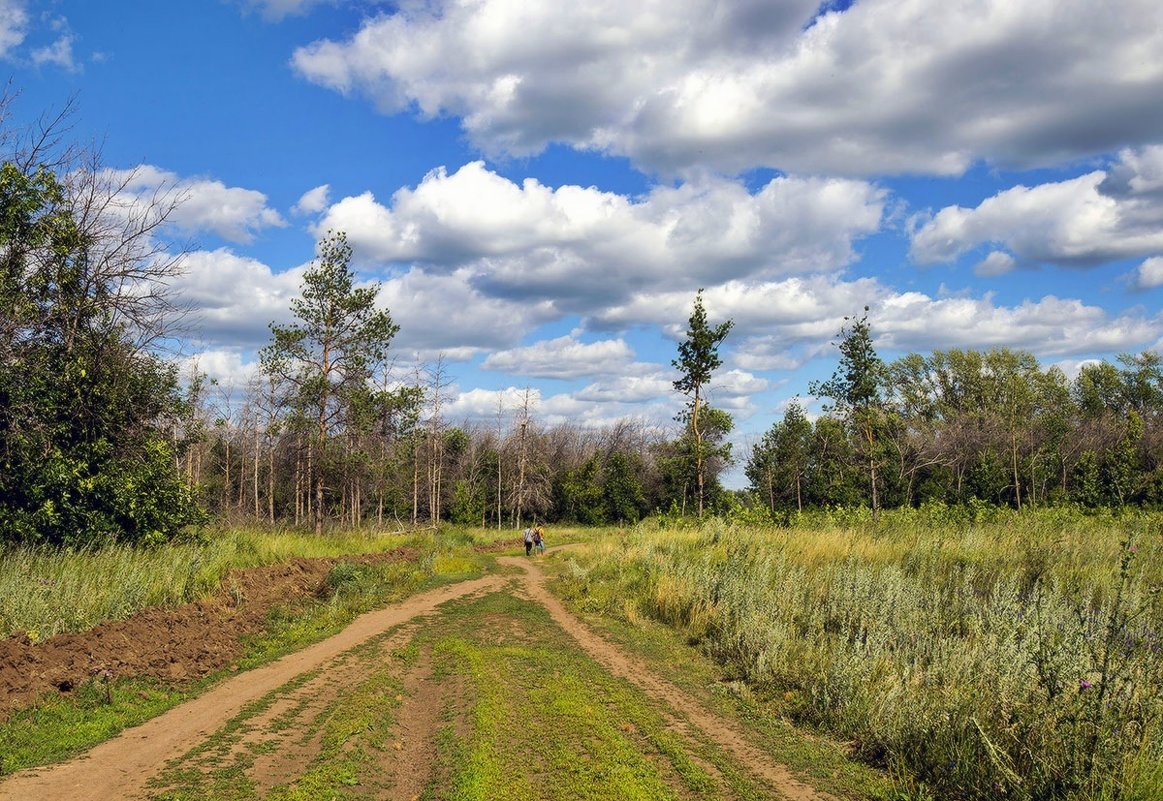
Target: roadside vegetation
x,y
46,591
1015,656
63,725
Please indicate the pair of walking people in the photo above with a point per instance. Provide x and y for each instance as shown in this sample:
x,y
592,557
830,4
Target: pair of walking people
x,y
534,538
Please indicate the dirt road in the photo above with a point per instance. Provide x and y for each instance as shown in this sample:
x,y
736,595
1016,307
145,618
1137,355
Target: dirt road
x,y
128,766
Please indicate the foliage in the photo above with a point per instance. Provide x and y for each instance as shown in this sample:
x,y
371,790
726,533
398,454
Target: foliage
x,y
328,358
856,390
698,358
86,411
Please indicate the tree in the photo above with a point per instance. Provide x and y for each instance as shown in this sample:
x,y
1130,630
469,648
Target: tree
x,y
856,391
623,488
698,358
779,462
329,357
88,412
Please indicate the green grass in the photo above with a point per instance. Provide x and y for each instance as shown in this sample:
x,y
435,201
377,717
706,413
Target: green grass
x,y
1016,656
548,722
44,591
817,760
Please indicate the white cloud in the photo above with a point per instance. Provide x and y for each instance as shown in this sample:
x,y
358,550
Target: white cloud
x,y
484,404
649,385
736,383
783,324
996,263
1150,273
227,367
533,241
13,25
313,201
882,87
59,52
234,298
233,213
1097,217
445,314
563,357
1049,327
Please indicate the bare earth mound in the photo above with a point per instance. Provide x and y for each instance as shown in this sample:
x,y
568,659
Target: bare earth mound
x,y
169,644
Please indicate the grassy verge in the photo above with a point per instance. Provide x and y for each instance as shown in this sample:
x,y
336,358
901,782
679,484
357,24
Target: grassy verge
x,y
44,592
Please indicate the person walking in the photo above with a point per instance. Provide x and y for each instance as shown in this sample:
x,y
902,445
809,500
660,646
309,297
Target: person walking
x,y
528,540
539,539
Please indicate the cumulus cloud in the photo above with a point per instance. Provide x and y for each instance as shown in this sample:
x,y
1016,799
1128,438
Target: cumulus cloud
x,y
1097,217
229,368
783,324
202,204
648,386
234,298
532,241
13,25
996,263
445,314
1050,326
313,201
1150,273
563,357
880,87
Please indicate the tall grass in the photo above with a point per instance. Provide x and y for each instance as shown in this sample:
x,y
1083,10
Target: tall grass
x,y
48,591
1009,657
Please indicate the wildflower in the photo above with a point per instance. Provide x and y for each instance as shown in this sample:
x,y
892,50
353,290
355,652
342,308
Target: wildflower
x,y
1083,684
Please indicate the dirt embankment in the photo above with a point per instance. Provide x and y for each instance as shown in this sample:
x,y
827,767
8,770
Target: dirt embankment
x,y
170,644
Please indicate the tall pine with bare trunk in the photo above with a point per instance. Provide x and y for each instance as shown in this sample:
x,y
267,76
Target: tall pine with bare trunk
x,y
698,358
328,357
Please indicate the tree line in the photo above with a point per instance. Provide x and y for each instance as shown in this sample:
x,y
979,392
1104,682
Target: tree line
x,y
959,426
332,430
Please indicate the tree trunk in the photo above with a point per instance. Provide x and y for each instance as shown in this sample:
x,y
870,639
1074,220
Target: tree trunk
x,y
698,451
1014,464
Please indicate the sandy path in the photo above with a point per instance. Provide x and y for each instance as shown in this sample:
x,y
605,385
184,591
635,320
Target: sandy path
x,y
723,732
118,769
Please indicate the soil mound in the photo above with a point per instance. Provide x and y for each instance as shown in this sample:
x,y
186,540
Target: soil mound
x,y
173,645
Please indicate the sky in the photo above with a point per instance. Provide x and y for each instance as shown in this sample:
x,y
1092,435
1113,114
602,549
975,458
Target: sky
x,y
540,187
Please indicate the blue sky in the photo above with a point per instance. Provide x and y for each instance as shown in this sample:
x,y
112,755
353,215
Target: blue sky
x,y
541,187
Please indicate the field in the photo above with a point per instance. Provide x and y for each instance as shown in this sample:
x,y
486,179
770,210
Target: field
x,y
1006,656
940,653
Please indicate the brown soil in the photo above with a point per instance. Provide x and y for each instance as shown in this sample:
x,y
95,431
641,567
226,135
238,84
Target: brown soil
x,y
121,768
172,645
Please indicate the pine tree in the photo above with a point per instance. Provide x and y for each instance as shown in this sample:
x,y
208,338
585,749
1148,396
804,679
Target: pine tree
x,y
698,358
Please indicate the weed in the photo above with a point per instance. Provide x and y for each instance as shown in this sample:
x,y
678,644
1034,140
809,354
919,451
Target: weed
x,y
981,656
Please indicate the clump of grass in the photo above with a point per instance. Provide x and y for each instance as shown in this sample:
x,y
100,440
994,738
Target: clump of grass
x,y
1018,656
45,591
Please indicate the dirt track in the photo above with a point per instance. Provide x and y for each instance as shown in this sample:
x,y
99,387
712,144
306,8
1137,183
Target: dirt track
x,y
122,767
